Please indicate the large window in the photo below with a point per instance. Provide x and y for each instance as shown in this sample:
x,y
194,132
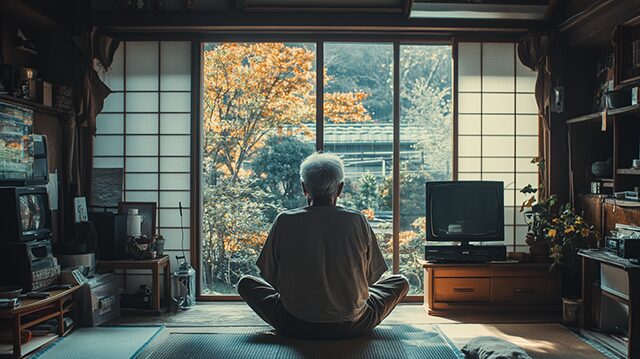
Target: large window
x,y
498,126
261,119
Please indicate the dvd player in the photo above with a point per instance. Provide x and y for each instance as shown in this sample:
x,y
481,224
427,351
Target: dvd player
x,y
464,253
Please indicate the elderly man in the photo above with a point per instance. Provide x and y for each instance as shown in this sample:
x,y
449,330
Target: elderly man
x,y
321,265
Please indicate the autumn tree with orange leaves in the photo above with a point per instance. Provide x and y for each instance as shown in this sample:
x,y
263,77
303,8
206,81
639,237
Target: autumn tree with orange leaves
x,y
252,91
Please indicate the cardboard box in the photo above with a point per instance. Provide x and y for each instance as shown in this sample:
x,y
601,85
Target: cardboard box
x,y
98,300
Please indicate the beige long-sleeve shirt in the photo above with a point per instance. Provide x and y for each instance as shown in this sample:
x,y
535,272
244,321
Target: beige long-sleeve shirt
x,y
322,260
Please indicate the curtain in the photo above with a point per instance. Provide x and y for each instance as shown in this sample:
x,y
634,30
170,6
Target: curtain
x,y
533,51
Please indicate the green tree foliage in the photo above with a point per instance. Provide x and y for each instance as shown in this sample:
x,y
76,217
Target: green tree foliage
x,y
277,168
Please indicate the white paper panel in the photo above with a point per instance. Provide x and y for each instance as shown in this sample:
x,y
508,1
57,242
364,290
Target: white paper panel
x,y
521,235
108,162
142,102
109,124
525,78
497,103
174,237
114,102
526,146
468,145
175,164
524,179
520,220
497,146
141,181
142,65
175,145
469,164
469,103
138,196
175,102
469,124
525,165
498,67
497,164
136,164
508,235
175,181
527,125
142,145
498,125
142,124
108,146
174,123
469,67
509,215
521,198
115,76
171,199
506,178
509,198
526,103
175,65
469,176
171,217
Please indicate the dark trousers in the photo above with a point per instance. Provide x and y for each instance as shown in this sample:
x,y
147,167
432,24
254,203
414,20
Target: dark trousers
x,y
384,295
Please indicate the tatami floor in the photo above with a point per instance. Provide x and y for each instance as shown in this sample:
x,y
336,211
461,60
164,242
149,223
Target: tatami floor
x,y
540,335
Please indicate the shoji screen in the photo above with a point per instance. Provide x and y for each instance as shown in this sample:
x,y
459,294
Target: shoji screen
x,y
498,126
145,129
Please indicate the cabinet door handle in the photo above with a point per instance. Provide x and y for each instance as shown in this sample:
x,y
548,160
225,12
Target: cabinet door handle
x,y
523,290
463,290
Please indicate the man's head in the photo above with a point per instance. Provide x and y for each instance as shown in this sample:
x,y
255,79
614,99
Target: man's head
x,y
322,176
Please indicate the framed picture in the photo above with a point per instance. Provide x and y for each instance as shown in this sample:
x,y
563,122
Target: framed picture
x,y
148,212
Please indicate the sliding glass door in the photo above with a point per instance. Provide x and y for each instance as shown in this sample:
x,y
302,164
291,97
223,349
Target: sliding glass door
x,y
266,106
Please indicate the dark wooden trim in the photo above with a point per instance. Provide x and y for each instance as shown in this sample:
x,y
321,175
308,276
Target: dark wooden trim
x,y
406,7
592,10
319,96
395,198
326,10
196,164
454,105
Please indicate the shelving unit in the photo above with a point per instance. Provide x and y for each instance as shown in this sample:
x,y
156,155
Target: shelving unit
x,y
628,171
35,106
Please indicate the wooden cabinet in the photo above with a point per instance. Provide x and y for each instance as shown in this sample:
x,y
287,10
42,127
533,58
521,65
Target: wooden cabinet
x,y
527,287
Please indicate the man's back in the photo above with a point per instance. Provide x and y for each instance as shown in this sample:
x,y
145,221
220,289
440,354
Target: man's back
x,y
322,259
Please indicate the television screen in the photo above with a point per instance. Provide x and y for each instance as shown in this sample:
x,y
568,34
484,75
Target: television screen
x,y
32,212
465,211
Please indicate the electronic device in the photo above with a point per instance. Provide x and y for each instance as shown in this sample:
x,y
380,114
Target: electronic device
x,y
460,212
465,254
624,242
111,230
8,303
32,265
40,161
25,214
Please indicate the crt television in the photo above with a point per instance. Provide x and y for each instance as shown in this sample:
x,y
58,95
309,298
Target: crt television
x,y
465,211
26,214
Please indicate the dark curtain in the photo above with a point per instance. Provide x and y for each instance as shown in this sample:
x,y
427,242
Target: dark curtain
x,y
533,51
94,50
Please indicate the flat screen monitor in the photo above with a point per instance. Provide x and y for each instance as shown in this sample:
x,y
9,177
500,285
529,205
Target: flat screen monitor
x,y
465,211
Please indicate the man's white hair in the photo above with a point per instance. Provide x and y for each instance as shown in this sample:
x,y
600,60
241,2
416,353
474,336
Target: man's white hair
x,y
322,173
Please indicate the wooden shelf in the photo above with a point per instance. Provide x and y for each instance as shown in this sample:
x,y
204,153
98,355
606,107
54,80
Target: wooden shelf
x,y
628,171
628,82
37,107
6,349
598,115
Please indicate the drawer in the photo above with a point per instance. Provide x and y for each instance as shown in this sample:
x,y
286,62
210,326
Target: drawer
x,y
540,290
462,290
477,272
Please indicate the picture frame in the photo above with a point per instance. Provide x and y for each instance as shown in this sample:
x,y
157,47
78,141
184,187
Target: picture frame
x,y
148,212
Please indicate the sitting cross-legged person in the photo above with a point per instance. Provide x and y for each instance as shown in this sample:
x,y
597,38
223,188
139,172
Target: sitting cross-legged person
x,y
321,265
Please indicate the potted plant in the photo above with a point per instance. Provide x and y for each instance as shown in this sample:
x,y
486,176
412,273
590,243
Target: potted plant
x,y
567,233
537,211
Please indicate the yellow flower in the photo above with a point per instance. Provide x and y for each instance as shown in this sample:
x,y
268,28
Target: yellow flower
x,y
585,232
552,233
569,229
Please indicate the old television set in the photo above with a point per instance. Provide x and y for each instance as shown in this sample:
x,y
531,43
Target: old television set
x,y
26,214
461,214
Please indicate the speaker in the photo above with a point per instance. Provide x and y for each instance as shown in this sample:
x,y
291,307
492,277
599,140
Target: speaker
x,y
111,230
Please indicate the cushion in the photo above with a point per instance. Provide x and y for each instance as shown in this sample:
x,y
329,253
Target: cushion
x,y
493,348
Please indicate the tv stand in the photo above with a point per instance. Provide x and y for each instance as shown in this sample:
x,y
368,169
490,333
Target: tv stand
x,y
464,253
